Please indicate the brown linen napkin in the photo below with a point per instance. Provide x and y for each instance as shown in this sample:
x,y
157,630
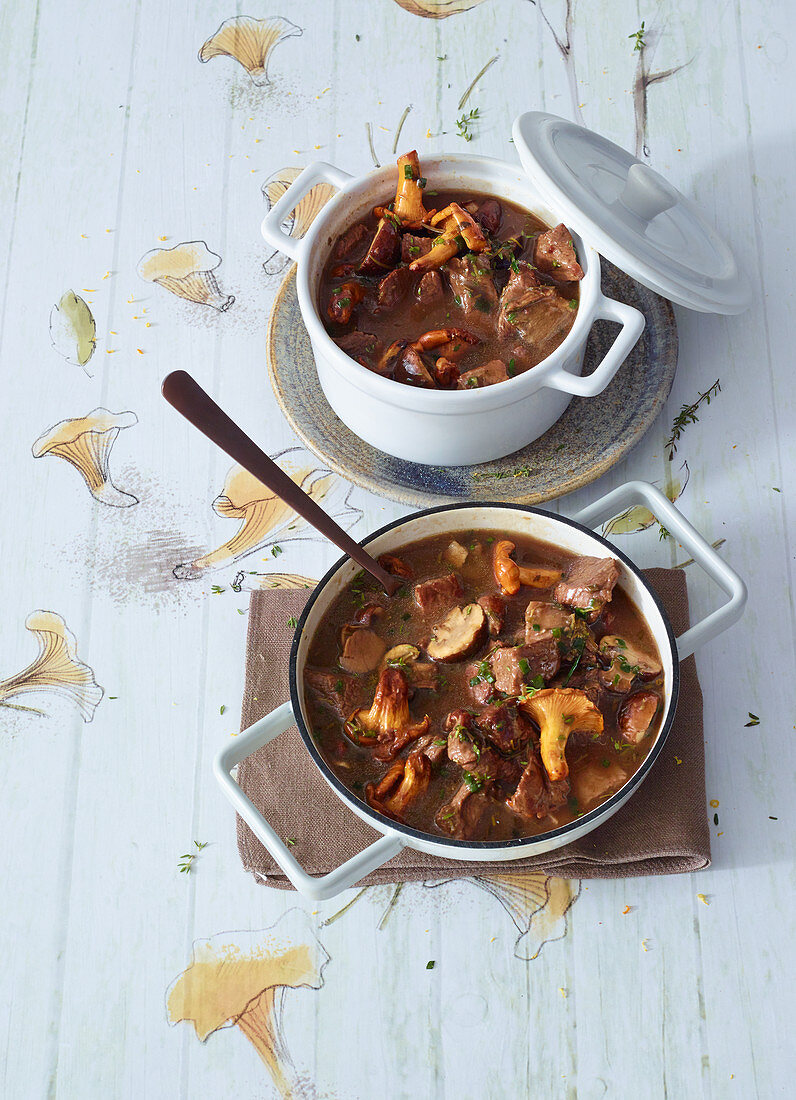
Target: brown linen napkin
x,y
662,830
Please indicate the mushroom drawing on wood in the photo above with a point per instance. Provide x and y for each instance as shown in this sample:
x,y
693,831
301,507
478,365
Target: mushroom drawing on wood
x,y
639,518
73,331
437,9
57,668
187,271
240,979
538,903
251,42
86,443
265,520
300,217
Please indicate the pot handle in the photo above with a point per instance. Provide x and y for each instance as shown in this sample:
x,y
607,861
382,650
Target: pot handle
x,y
632,322
271,228
316,888
635,492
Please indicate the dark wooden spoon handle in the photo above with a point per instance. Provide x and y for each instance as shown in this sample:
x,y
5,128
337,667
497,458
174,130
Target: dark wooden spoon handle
x,y
187,396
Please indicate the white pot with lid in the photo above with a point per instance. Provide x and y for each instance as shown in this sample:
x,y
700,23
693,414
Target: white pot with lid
x,y
574,535
606,198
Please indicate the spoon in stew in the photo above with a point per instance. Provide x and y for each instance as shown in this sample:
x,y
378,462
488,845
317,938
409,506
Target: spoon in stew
x,y
187,396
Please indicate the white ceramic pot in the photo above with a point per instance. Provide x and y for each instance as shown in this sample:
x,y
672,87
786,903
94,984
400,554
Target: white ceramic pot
x,y
571,534
445,427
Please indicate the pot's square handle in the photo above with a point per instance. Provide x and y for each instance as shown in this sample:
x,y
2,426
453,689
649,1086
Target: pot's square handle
x,y
316,888
271,228
632,321
641,492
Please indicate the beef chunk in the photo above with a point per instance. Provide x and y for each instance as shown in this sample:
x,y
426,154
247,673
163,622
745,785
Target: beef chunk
x,y
636,715
362,650
411,369
430,288
541,619
358,345
413,247
384,250
351,243
504,726
422,675
461,816
495,608
554,254
588,584
337,690
514,666
433,746
459,634
481,688
487,375
489,215
474,291
394,287
343,300
439,594
535,312
536,795
463,741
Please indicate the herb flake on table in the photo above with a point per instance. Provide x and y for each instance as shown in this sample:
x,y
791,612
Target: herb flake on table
x,y
431,964
754,720
186,861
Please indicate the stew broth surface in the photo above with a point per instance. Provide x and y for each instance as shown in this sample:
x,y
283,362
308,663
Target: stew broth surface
x,y
598,763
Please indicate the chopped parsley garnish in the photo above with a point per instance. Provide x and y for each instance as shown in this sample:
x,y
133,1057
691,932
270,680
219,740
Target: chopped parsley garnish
x,y
292,622
474,782
754,720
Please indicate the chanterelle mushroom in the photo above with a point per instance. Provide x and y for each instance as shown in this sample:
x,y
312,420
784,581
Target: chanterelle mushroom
x,y
559,712
388,725
510,576
409,194
86,443
187,271
404,783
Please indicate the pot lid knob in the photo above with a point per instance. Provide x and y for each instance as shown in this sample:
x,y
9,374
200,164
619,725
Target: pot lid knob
x,y
630,213
646,194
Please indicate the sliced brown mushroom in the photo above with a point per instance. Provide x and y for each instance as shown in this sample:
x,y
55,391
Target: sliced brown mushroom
x,y
362,649
459,634
637,714
447,343
382,255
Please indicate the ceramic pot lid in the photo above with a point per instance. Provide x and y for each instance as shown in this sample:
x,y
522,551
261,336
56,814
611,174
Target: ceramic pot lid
x,y
630,214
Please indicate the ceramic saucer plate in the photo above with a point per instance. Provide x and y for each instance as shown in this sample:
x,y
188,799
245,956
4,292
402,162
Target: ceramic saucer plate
x,y
593,434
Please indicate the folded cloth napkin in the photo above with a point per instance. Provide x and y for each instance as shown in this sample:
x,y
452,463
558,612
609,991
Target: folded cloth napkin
x,y
662,830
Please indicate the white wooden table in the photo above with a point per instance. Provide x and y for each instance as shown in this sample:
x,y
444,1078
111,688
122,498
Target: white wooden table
x,y
117,141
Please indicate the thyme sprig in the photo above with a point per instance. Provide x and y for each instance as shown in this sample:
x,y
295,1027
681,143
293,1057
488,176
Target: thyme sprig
x,y
463,124
639,37
687,415
186,861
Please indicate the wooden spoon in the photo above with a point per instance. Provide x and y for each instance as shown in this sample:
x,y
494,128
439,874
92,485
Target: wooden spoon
x,y
188,398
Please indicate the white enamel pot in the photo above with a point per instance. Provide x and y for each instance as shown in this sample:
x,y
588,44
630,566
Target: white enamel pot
x,y
445,427
571,534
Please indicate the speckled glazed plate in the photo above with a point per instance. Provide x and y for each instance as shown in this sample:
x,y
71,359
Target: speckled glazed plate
x,y
593,434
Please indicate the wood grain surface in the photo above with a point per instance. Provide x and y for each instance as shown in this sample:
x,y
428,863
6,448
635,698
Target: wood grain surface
x,y
118,141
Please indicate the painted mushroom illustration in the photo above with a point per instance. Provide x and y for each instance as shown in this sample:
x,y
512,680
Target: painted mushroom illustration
x,y
301,216
57,668
73,331
265,520
536,902
639,518
251,42
86,443
187,271
240,979
437,9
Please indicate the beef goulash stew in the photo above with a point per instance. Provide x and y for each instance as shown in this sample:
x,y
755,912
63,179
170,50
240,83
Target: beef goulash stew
x,y
506,689
449,291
